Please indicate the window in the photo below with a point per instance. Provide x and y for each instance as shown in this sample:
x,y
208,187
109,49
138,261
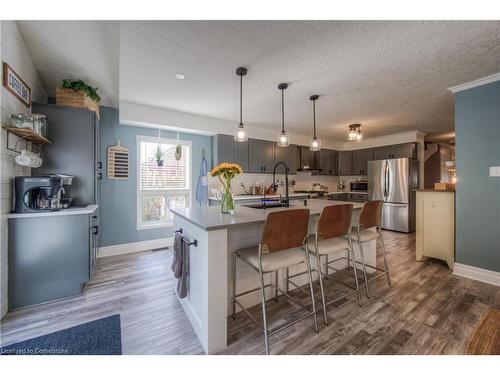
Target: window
x,y
161,185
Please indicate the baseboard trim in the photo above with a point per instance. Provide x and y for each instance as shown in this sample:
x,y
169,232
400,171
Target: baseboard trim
x,y
134,247
475,273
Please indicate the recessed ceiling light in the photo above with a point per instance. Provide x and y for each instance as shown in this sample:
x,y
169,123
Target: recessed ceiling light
x,y
180,76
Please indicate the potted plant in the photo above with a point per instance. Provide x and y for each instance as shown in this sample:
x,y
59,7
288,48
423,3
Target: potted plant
x,y
78,94
159,156
226,172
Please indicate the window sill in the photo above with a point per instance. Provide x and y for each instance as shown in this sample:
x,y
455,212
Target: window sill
x,y
169,224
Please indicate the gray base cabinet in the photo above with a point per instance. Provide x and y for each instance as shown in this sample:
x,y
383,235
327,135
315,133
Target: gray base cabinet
x,y
49,258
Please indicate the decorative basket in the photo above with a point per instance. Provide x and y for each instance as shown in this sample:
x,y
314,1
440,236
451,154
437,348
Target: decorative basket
x,y
76,99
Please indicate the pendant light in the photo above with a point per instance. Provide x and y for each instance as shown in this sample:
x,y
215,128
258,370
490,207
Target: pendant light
x,y
283,140
355,133
315,141
241,135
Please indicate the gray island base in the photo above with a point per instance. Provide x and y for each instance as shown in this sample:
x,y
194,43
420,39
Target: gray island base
x,y
208,303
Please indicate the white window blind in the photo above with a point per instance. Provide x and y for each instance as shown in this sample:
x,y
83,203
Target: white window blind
x,y
172,175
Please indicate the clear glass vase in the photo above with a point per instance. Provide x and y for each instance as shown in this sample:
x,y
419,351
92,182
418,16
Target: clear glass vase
x,y
227,202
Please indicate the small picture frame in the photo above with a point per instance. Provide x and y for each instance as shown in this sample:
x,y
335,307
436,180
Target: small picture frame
x,y
16,85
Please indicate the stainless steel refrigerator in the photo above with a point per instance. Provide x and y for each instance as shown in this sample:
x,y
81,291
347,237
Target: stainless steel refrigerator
x,y
393,181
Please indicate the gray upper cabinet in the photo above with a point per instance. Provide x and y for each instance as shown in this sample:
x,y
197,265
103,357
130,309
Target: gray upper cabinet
x,y
360,159
288,155
240,152
381,153
261,156
405,150
307,158
344,163
327,162
226,150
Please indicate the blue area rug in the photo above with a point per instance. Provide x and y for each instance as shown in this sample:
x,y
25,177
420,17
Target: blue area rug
x,y
99,337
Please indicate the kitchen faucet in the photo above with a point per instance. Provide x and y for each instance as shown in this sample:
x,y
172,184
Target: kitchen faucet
x,y
275,186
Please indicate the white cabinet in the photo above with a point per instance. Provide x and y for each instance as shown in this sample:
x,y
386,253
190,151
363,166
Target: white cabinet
x,y
435,235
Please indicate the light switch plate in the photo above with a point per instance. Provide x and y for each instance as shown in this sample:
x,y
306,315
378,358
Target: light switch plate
x,y
494,171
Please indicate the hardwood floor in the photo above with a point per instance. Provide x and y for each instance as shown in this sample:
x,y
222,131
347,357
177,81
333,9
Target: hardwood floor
x,y
425,311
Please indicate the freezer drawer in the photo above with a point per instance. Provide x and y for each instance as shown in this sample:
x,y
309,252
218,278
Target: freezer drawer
x,y
396,217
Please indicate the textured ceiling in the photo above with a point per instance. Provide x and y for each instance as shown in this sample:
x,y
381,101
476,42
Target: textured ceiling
x,y
389,76
75,49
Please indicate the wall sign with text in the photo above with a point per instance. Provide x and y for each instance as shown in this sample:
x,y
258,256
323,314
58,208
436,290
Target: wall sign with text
x,y
16,85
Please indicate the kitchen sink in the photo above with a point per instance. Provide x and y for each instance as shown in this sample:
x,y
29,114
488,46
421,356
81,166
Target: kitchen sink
x,y
260,206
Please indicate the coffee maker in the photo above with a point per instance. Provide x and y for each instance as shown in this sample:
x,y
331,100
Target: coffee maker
x,y
35,194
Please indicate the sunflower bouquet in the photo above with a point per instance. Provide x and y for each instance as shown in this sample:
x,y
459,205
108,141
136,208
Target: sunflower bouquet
x,y
225,172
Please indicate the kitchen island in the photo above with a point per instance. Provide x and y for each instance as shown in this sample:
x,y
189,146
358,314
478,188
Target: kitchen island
x,y
208,302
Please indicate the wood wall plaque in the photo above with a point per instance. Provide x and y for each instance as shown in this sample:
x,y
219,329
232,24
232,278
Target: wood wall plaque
x,y
118,162
16,85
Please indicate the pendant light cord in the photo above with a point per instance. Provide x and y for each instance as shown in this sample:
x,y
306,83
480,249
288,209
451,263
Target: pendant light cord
x,y
282,110
314,117
241,100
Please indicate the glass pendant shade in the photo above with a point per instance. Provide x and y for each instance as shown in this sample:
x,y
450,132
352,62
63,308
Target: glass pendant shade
x,y
240,135
283,140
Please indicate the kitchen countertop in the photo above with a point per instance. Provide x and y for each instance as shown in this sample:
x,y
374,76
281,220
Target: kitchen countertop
x,y
210,218
83,210
348,192
268,196
433,191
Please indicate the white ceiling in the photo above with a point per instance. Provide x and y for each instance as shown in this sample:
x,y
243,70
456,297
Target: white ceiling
x,y
76,49
389,76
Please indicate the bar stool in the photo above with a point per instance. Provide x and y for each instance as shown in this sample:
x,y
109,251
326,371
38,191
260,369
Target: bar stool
x,y
370,218
283,245
332,236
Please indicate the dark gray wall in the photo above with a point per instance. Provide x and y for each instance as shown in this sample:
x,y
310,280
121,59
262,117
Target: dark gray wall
x,y
118,205
477,129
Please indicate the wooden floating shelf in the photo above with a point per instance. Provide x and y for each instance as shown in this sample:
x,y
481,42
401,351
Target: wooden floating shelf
x,y
27,134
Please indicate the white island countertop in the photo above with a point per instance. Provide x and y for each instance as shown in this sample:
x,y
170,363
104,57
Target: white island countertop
x,y
81,210
210,218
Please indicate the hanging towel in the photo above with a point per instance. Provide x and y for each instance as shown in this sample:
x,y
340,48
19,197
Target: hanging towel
x,y
202,186
182,283
177,260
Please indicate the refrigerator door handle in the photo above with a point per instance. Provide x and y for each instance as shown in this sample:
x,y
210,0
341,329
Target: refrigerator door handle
x,y
385,180
388,181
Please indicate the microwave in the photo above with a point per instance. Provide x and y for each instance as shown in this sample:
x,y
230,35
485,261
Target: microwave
x,y
359,186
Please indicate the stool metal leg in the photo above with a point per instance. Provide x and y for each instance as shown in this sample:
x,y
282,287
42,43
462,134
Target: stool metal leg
x,y
386,266
326,265
276,285
361,252
287,286
354,266
306,250
320,277
264,317
234,286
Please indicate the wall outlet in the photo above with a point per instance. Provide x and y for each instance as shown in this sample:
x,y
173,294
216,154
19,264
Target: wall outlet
x,y
494,171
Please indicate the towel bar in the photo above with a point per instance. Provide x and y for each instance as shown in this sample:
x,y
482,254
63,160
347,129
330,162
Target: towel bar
x,y
195,242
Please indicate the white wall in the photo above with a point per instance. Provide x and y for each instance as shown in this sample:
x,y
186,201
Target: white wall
x,y
15,53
